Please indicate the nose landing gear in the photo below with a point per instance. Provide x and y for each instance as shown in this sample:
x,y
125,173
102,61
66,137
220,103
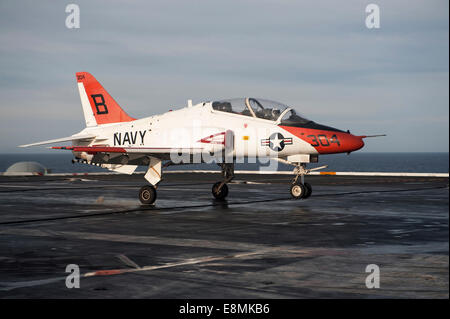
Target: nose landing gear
x,y
300,189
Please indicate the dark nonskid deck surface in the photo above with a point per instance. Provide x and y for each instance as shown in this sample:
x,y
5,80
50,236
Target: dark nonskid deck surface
x,y
259,243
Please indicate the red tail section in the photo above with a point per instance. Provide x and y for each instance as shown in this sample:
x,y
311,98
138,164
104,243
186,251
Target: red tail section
x,y
105,109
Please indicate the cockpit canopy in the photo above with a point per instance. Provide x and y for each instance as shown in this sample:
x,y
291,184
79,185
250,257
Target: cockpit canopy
x,y
259,108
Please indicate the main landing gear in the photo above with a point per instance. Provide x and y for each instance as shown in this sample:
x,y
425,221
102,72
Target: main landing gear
x,y
299,188
220,189
147,194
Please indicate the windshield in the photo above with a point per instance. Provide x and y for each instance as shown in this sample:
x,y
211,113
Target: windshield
x,y
260,108
291,118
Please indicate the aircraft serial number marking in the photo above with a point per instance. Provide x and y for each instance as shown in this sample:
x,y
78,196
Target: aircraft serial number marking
x,y
322,139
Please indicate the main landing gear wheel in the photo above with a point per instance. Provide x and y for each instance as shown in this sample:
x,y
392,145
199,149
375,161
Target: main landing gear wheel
x,y
147,194
221,193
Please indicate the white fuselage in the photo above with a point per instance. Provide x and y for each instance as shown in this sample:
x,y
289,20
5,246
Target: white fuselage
x,y
197,128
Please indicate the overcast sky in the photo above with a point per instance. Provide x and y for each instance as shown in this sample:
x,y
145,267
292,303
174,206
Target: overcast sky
x,y
151,56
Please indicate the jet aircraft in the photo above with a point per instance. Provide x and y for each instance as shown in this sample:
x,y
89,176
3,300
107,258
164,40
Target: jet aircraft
x,y
219,132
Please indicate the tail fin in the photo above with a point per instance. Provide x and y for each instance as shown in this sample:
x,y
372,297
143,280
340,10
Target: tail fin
x,y
98,106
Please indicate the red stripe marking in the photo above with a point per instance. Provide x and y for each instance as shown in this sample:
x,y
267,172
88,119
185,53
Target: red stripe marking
x,y
93,150
209,139
62,147
107,149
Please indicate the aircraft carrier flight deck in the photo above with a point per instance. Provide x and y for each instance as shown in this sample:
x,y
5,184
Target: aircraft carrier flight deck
x,y
259,243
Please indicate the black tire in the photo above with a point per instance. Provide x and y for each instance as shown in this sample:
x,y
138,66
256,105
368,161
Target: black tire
x,y
147,194
220,195
298,191
308,190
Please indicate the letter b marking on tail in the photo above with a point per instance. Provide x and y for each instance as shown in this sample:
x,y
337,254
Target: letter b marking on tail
x,y
99,103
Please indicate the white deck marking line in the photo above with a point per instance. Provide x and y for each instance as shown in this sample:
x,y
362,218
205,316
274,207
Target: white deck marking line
x,y
152,240
191,261
6,286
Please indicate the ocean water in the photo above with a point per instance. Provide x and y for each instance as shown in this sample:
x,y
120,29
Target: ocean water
x,y
355,162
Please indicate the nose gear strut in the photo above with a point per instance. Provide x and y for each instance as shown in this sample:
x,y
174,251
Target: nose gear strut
x,y
300,189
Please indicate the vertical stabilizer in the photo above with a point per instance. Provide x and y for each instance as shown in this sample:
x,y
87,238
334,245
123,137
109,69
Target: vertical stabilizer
x,y
98,106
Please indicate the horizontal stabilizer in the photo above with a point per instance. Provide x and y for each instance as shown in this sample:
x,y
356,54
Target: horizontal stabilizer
x,y
63,139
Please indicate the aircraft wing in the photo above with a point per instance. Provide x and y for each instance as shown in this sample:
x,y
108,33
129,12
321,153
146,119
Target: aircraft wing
x,y
216,141
126,150
63,139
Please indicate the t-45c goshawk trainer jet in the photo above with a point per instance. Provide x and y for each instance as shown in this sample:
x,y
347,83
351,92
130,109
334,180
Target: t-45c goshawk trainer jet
x,y
216,131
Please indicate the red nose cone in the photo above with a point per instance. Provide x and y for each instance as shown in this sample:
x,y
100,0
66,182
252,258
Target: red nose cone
x,y
348,143
353,143
325,139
